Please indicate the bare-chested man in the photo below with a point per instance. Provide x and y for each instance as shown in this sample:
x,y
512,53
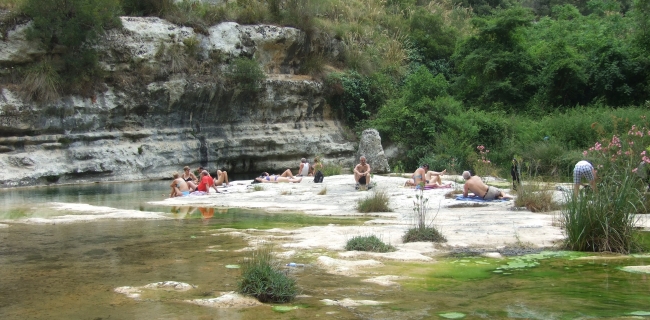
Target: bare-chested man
x,y
476,185
362,172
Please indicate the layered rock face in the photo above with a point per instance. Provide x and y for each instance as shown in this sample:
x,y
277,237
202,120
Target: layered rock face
x,y
151,130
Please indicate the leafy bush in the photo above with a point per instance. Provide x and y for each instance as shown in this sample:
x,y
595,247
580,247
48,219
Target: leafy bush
x,y
263,278
431,36
350,93
377,201
147,7
70,28
368,243
247,74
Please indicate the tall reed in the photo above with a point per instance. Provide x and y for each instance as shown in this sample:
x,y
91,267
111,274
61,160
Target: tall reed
x,y
604,220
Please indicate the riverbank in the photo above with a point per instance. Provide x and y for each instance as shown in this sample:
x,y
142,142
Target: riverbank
x,y
468,226
489,226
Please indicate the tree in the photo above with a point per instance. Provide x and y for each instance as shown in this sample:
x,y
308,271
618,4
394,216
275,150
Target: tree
x,y
493,66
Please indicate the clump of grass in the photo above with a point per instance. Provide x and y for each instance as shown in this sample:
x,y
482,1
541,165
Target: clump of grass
x,y
258,187
603,220
331,169
368,243
285,192
377,201
423,228
323,191
262,278
41,82
536,198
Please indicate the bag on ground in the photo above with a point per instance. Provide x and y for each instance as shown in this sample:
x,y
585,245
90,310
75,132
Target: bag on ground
x,y
318,177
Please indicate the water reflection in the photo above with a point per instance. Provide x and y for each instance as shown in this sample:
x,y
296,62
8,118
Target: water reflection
x,y
188,212
30,202
70,271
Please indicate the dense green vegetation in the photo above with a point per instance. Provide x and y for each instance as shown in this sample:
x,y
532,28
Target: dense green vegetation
x,y
526,79
263,278
368,243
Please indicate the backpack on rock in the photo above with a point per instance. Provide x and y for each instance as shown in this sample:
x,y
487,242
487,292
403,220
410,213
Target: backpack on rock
x,y
318,177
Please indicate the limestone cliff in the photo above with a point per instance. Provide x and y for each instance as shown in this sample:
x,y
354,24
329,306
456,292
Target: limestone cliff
x,y
153,118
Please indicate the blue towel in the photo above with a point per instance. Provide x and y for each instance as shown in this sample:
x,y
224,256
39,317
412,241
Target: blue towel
x,y
479,199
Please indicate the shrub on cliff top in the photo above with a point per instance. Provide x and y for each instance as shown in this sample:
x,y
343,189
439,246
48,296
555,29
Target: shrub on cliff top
x,y
247,74
67,30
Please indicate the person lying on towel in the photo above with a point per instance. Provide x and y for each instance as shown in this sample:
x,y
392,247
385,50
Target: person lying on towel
x,y
476,185
423,178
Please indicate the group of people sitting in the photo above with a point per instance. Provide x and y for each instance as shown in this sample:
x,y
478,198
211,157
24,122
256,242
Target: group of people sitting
x,y
305,169
184,184
423,178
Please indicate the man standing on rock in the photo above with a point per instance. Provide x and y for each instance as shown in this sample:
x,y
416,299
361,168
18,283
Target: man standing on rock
x,y
362,173
476,185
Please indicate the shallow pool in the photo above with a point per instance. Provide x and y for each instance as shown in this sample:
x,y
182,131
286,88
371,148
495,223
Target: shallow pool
x,y
70,271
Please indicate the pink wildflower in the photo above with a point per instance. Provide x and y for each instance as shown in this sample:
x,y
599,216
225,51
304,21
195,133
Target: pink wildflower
x,y
634,170
584,153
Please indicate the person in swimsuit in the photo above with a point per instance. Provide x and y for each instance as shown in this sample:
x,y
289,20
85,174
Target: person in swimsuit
x,y
417,178
476,185
434,177
423,178
304,168
190,178
286,176
317,166
179,186
221,179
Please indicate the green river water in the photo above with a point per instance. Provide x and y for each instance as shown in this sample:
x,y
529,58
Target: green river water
x,y
70,271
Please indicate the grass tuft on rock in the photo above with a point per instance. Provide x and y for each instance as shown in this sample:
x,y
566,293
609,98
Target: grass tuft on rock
x,y
423,228
377,201
427,234
368,243
536,198
262,278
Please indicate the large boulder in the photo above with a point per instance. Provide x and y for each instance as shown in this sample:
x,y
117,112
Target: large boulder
x,y
370,147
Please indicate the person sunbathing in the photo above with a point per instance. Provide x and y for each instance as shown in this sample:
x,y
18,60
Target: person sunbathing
x,y
286,176
423,178
433,177
476,185
221,179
